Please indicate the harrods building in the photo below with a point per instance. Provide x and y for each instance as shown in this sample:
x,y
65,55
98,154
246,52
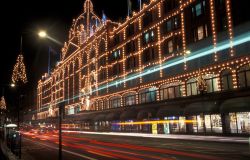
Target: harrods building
x,y
173,60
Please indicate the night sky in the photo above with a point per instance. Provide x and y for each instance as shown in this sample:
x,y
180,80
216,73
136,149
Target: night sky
x,y
26,18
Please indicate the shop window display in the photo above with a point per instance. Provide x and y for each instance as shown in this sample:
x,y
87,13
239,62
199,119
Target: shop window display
x,y
213,123
198,124
240,122
174,125
233,123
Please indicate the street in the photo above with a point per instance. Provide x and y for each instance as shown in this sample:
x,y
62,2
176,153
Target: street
x,y
88,146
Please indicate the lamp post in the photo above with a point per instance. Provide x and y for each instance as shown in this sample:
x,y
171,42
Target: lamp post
x,y
19,78
3,111
42,34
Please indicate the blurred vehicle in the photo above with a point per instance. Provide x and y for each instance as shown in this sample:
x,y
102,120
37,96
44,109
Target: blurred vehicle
x,y
41,131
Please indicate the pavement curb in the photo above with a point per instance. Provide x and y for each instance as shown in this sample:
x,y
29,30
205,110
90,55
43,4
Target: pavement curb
x,y
240,140
6,151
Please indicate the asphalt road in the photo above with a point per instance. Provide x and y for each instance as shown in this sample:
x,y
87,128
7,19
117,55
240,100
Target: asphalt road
x,y
101,147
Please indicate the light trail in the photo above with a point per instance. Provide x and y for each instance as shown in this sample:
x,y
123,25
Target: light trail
x,y
197,54
244,38
120,150
54,40
156,122
243,140
64,150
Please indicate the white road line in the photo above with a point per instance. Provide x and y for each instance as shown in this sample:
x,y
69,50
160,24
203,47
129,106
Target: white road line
x,y
184,137
64,150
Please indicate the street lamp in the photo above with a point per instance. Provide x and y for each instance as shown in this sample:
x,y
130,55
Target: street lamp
x,y
19,77
188,52
42,34
12,85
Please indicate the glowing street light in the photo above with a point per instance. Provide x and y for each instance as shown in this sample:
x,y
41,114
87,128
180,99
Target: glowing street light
x,y
188,52
42,34
12,85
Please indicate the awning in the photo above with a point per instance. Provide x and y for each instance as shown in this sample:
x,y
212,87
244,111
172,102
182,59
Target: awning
x,y
51,120
11,126
202,107
146,114
112,116
241,104
170,111
86,117
128,115
100,117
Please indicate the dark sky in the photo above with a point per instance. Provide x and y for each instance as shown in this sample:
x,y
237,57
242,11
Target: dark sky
x,y
23,17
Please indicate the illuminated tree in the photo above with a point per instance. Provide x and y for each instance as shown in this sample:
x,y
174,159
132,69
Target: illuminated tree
x,y
19,72
2,103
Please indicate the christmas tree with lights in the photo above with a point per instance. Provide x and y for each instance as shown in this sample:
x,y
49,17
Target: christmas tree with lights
x,y
19,72
2,103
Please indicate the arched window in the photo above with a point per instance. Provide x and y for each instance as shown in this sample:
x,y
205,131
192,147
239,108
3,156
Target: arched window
x,y
129,99
115,102
147,95
105,104
84,59
100,105
76,65
97,107
71,69
61,75
66,73
169,91
71,82
102,46
244,76
76,86
66,83
192,87
226,80
92,53
211,82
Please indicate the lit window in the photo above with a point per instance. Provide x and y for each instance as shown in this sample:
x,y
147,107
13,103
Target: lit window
x,y
226,80
200,32
149,37
170,46
244,76
130,99
198,9
116,55
147,95
169,26
146,37
152,34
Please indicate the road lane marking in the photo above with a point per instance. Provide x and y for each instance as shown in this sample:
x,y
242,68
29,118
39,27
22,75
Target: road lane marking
x,y
64,150
183,137
104,155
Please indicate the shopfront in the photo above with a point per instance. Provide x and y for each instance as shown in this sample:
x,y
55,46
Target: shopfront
x,y
174,119
237,115
240,122
205,117
174,124
128,116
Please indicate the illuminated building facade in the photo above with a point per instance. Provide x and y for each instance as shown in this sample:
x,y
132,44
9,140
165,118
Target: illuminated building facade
x,y
174,60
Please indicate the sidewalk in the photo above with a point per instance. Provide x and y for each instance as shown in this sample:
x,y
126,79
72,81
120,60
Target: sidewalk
x,y
10,156
6,151
244,140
